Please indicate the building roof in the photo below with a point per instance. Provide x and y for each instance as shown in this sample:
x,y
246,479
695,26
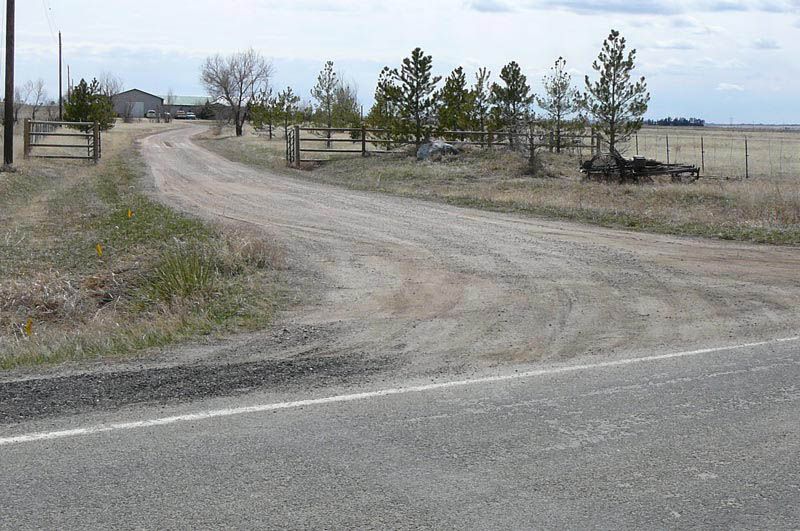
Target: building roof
x,y
190,101
138,90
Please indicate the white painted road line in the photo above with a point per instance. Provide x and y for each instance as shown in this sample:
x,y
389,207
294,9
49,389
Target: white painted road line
x,y
204,415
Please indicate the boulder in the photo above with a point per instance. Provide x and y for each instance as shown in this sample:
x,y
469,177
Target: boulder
x,y
435,150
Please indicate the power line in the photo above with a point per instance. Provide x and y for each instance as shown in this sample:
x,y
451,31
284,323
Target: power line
x,y
50,24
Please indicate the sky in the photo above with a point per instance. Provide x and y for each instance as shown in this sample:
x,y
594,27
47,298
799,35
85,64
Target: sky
x,y
721,60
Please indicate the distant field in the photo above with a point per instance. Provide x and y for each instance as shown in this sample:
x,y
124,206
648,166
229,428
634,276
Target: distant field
x,y
773,152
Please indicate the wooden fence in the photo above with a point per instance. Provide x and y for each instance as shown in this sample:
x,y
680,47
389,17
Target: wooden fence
x,y
305,144
84,136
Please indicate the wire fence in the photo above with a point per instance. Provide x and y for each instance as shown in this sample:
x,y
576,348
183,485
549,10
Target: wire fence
x,y
723,153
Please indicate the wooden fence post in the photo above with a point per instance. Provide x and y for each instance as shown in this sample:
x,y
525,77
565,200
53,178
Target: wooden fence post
x,y
637,145
702,155
667,149
363,140
26,151
96,131
297,145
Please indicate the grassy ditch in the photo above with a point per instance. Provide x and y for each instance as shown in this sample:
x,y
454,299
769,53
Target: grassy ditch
x,y
91,266
763,210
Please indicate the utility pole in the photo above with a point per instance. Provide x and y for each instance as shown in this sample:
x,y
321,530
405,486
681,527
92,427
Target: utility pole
x,y
8,117
60,92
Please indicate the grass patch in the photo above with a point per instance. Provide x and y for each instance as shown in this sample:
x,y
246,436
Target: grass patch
x,y
162,277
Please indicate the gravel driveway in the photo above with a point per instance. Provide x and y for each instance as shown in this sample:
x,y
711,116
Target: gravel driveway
x,y
438,287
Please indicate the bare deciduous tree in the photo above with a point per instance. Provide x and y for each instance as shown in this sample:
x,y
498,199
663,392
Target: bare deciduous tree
x,y
35,95
234,79
110,84
19,102
127,113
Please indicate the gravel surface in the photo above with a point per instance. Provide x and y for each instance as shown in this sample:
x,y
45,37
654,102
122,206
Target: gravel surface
x,y
430,289
443,287
28,399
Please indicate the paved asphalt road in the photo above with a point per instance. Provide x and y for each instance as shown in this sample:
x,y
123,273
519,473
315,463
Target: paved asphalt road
x,y
705,440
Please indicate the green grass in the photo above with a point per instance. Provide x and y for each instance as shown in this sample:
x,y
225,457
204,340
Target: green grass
x,y
163,277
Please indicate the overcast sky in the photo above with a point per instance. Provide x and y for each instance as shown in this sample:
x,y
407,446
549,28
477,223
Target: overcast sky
x,y
721,60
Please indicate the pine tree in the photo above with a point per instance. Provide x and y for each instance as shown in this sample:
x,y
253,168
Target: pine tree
x,y
286,107
206,112
512,99
455,103
481,95
413,89
324,92
86,103
560,100
263,110
346,107
383,114
616,103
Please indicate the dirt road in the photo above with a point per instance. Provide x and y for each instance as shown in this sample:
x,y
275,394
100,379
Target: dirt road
x,y
437,287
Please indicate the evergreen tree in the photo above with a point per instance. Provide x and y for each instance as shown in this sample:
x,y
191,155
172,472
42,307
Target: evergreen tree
x,y
86,103
512,99
324,92
286,108
615,102
206,112
263,111
481,95
456,103
346,108
412,88
560,100
383,114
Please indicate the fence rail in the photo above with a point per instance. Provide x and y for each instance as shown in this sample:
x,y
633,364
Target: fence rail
x,y
36,133
368,140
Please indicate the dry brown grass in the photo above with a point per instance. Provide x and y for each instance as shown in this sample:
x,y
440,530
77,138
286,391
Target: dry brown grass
x,y
60,300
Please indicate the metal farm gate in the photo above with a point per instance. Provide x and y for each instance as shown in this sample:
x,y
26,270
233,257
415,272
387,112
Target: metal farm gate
x,y
70,139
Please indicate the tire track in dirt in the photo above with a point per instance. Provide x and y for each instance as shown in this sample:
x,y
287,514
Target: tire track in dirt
x,y
443,287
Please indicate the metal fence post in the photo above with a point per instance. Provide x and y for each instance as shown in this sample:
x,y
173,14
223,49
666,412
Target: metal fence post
x,y
746,160
297,145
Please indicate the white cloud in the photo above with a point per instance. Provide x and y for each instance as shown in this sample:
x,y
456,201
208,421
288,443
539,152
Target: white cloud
x,y
675,44
730,87
764,43
489,6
